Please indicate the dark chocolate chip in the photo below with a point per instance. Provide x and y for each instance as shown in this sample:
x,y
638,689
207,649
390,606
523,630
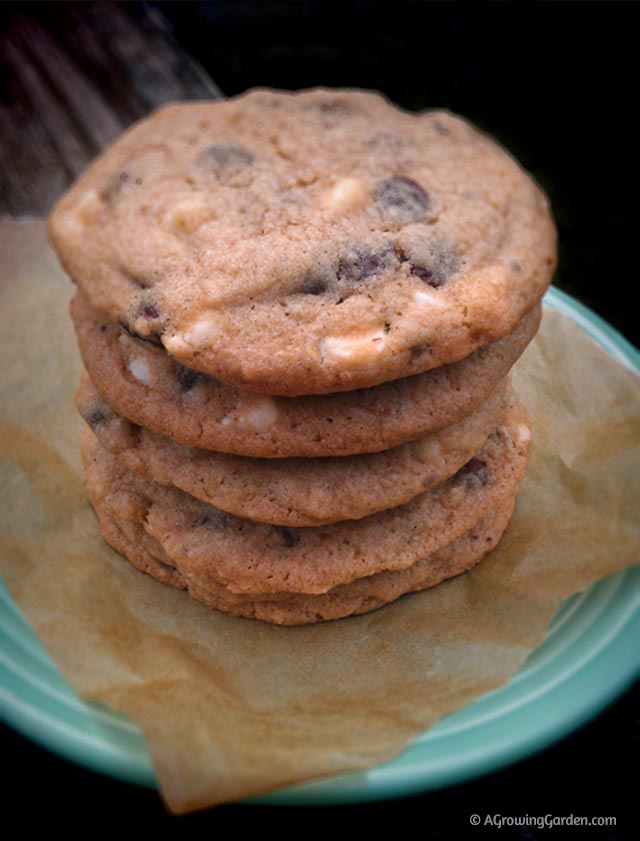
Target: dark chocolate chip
x,y
436,269
433,277
441,128
149,311
214,519
418,353
356,267
145,322
114,185
285,538
187,377
313,285
475,472
363,264
516,266
423,273
226,159
95,416
401,200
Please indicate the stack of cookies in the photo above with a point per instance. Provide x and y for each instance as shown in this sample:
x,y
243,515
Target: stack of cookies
x,y
297,315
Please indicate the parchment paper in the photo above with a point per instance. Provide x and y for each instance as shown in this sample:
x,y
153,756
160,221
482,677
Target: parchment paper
x,y
233,707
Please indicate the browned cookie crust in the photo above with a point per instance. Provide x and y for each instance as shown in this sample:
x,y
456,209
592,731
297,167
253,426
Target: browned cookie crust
x,y
308,243
295,491
360,596
140,381
250,557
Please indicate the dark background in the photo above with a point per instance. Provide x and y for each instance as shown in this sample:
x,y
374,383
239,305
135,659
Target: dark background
x,y
557,84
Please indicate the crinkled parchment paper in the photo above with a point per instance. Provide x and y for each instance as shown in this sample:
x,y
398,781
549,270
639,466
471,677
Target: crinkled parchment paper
x,y
232,707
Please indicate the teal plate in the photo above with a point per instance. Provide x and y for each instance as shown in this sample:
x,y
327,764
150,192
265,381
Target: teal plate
x,y
589,656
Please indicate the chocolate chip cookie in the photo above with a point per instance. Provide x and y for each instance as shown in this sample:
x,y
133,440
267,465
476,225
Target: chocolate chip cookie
x,y
206,544
357,597
307,243
294,491
142,382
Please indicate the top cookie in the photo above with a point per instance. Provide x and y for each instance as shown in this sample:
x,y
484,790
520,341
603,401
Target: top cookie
x,y
308,243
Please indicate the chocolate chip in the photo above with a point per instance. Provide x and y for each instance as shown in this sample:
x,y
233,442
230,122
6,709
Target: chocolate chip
x,y
356,267
369,263
441,128
361,266
145,322
313,285
475,472
95,416
149,311
435,264
418,353
226,159
401,200
423,274
187,378
284,538
516,266
214,519
115,184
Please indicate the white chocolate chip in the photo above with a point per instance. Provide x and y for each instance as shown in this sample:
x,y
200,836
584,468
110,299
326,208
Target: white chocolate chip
x,y
139,368
199,334
346,195
356,350
426,296
260,416
202,331
523,434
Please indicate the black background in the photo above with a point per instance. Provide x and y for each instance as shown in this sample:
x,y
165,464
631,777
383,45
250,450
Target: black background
x,y
557,84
